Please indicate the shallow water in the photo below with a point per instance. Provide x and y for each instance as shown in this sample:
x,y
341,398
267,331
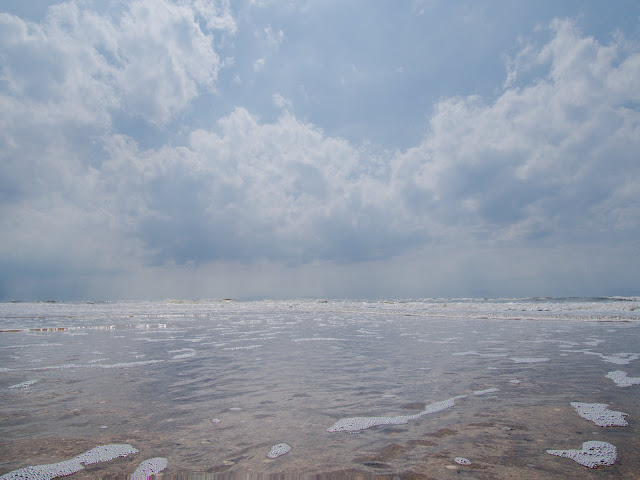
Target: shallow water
x,y
212,386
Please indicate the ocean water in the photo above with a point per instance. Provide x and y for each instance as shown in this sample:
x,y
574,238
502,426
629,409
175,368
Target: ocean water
x,y
428,388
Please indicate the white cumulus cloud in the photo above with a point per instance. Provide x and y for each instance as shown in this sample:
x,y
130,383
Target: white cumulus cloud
x,y
547,164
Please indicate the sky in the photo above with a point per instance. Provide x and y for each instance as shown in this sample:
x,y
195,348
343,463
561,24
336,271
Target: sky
x,y
154,149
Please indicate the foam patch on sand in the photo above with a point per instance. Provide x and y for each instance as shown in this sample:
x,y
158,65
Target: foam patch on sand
x,y
620,358
593,454
355,424
615,358
599,414
44,472
622,380
279,450
149,467
103,453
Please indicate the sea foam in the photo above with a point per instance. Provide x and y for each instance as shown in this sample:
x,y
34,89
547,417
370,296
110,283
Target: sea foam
x,y
620,358
599,414
622,380
149,467
593,454
188,352
478,393
26,384
529,359
279,450
478,354
354,424
103,453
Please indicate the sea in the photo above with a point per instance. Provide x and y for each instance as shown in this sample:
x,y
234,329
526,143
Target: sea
x,y
527,388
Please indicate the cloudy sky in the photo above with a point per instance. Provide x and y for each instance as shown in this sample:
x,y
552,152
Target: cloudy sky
x,y
156,149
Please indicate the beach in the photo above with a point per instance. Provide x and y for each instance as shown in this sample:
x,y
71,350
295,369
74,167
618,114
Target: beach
x,y
426,388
